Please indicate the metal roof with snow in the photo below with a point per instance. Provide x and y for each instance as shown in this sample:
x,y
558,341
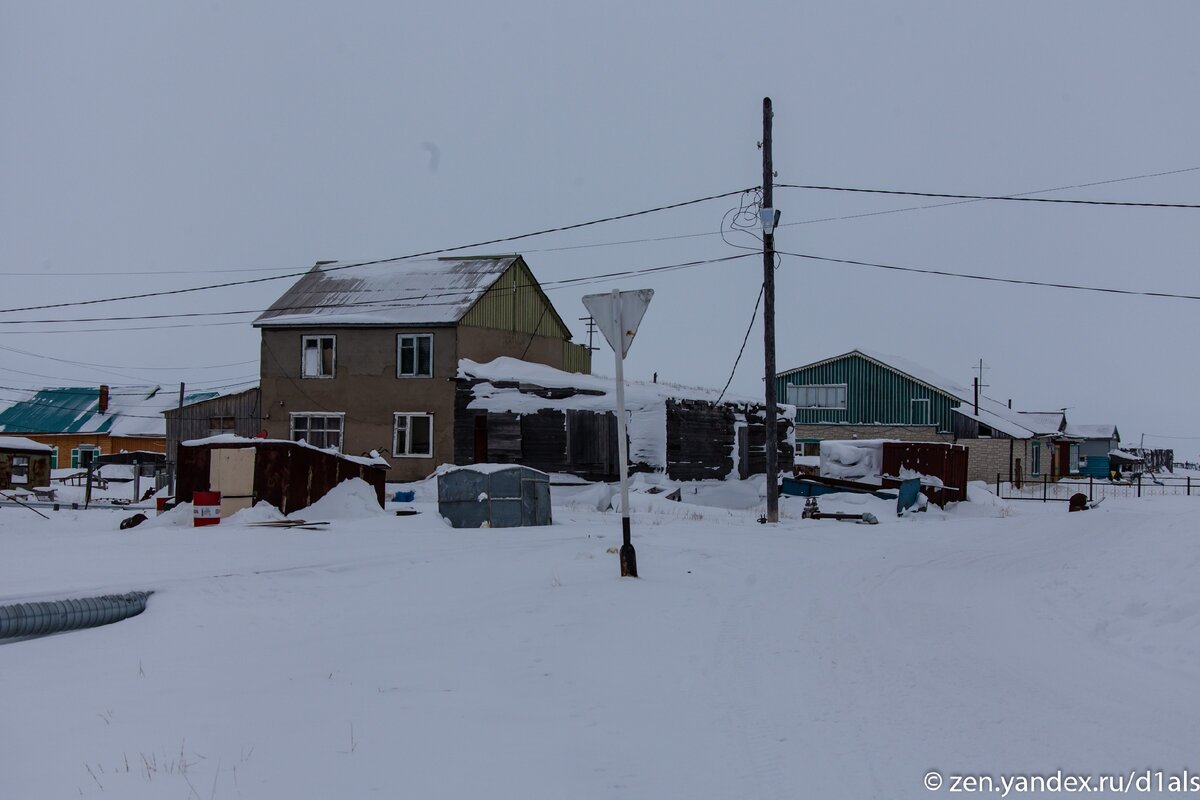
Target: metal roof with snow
x,y
1086,431
1045,423
132,410
416,292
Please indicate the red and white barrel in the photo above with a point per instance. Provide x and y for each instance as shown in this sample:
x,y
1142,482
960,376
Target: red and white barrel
x,y
206,508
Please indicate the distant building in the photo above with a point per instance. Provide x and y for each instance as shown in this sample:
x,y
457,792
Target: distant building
x,y
238,413
1086,451
80,423
868,395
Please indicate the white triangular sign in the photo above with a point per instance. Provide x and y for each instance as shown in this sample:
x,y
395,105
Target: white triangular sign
x,y
618,315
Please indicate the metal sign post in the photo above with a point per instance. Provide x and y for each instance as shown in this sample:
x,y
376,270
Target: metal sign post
x,y
618,315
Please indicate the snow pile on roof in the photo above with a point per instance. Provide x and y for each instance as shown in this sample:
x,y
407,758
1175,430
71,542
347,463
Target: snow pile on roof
x,y
858,460
1101,431
396,293
21,443
132,410
1121,455
350,499
646,403
1046,423
372,460
486,469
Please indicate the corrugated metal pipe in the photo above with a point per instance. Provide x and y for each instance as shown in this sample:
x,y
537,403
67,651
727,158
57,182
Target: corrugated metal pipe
x,y
55,616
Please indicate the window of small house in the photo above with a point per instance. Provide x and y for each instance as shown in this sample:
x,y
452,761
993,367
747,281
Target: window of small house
x,y
20,469
319,356
414,355
319,430
832,395
413,436
220,425
83,455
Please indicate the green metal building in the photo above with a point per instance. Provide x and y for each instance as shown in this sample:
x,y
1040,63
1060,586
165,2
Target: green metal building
x,y
859,388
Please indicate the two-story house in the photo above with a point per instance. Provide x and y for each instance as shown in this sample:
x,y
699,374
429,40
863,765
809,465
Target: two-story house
x,y
365,357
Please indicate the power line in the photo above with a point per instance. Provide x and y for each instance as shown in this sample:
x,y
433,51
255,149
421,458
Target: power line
x,y
119,366
742,349
1068,187
976,197
336,268
413,301
991,278
644,240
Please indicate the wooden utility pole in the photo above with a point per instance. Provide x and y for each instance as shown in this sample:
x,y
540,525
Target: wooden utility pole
x,y
172,466
768,204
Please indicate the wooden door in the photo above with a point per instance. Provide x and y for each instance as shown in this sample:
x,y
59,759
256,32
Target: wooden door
x,y
231,472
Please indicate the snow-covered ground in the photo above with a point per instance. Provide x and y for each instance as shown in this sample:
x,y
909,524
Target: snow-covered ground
x,y
396,657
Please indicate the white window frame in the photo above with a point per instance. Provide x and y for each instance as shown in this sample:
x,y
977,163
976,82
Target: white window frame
x,y
407,417
1035,458
13,466
821,395
318,337
341,429
416,373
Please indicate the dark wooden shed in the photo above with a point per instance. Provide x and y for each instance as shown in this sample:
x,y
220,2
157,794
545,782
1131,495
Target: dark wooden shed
x,y
24,463
568,429
288,475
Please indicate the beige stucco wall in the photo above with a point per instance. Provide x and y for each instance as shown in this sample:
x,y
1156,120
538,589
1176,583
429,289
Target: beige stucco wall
x,y
367,391
365,388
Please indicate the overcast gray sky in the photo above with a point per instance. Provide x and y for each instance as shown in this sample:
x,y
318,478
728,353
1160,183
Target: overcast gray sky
x,y
188,140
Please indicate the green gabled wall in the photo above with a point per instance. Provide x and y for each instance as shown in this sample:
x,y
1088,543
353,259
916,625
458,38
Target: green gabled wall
x,y
874,394
515,302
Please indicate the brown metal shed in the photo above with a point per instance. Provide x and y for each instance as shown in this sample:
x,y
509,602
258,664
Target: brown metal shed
x,y
947,462
288,475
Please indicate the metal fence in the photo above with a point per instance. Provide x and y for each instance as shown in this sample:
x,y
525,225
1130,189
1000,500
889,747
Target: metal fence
x,y
1046,489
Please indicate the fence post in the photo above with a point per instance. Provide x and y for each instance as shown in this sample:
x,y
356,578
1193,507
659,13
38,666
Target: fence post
x,y
1090,479
1139,484
1045,486
998,484
1189,489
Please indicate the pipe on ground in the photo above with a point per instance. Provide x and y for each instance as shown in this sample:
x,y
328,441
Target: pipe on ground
x,y
56,616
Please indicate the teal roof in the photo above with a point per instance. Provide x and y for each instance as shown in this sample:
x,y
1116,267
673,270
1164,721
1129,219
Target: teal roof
x,y
67,410
132,411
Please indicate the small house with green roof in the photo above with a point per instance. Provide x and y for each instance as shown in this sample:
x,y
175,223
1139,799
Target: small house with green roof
x,y
80,423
